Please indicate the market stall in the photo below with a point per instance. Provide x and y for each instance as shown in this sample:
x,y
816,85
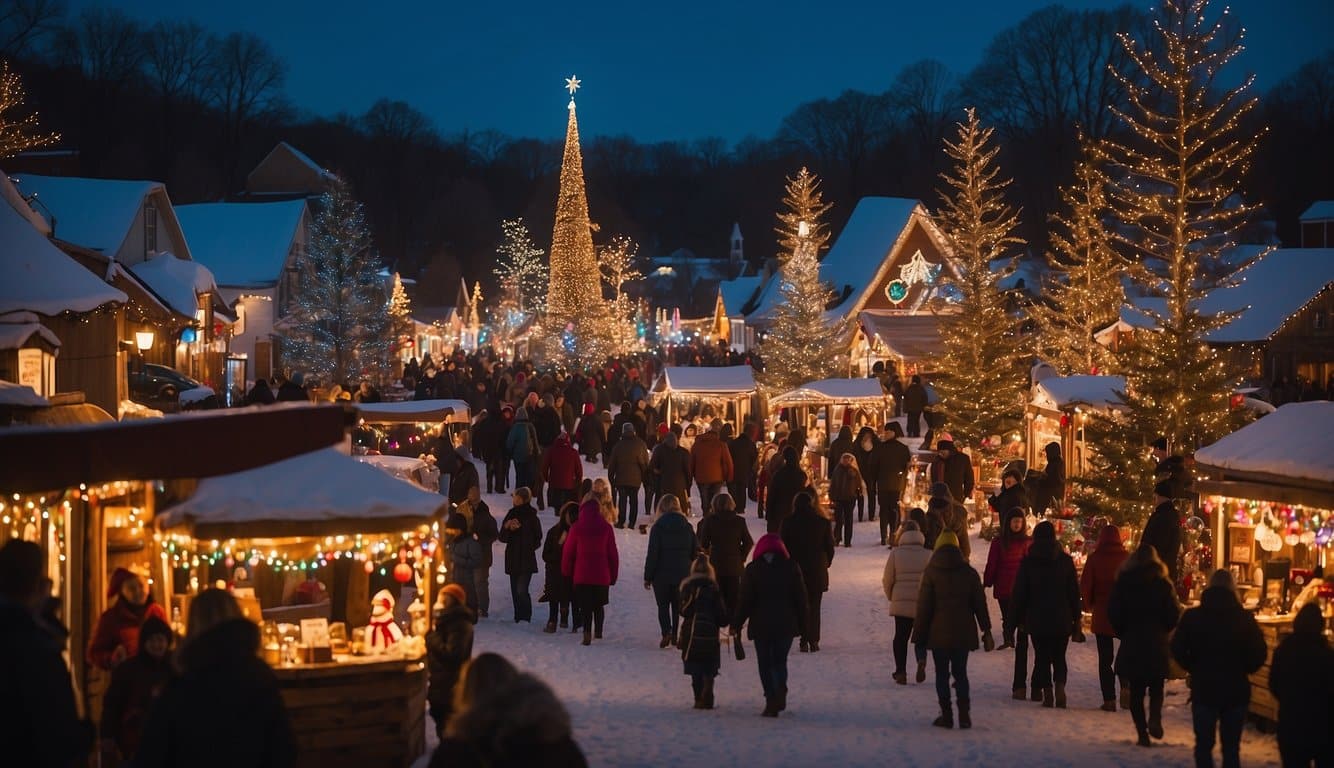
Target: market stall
x,y
410,427
1268,499
679,390
821,407
419,472
337,559
1058,410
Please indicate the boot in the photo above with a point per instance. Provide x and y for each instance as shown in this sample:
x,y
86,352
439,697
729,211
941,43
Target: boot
x,y
699,693
804,647
815,646
769,709
1036,693
1048,700
564,621
1060,696
1019,694
946,719
666,641
597,634
550,628
1108,705
706,695
921,672
1143,740
1156,716
588,636
1125,696
965,719
900,678
780,699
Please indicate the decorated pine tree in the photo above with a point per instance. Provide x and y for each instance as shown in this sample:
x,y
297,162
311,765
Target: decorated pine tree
x,y
400,311
1173,196
982,375
801,343
617,264
1082,294
18,125
339,328
520,267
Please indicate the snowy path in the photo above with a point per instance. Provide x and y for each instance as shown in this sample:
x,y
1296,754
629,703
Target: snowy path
x,y
631,704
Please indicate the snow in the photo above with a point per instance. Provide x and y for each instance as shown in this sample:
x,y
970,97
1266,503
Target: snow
x,y
36,276
324,485
415,410
1295,441
17,327
94,213
630,704
195,395
1057,392
1320,210
177,281
245,245
721,380
738,292
20,395
835,390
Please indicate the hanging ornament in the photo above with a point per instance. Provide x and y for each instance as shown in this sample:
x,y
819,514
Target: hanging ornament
x,y
370,566
896,291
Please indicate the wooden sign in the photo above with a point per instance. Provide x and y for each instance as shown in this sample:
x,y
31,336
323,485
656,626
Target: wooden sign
x,y
1241,544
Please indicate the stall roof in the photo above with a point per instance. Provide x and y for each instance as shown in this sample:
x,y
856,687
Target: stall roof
x,y
851,391
20,395
735,380
321,493
183,446
413,411
17,327
1059,392
1295,442
910,337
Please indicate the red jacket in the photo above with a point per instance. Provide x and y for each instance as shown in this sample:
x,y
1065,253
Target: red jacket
x,y
561,466
1100,572
116,627
1003,565
589,555
710,460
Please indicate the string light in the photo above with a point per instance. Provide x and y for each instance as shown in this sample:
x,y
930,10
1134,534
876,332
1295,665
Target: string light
x,y
18,133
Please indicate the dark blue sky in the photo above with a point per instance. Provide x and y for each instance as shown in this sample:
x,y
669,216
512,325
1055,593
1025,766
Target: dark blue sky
x,y
653,70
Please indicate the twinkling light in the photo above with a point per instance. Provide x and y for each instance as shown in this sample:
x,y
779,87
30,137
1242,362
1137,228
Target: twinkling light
x,y
18,125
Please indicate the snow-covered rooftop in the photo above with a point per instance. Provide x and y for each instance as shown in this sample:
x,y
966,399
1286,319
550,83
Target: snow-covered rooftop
x,y
20,395
1057,392
910,337
17,327
245,245
177,281
93,213
720,380
738,292
834,390
1295,441
1320,210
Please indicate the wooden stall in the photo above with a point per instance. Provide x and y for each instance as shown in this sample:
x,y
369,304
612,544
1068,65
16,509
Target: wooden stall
x,y
1058,410
821,407
410,427
729,389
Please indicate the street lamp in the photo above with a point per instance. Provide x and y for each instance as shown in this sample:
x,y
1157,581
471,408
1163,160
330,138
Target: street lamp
x,y
143,340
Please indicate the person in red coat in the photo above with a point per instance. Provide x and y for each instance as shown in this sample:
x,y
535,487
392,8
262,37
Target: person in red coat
x,y
1096,587
562,471
116,637
589,558
1007,551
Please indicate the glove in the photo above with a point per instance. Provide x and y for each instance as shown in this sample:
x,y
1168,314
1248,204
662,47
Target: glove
x,y
988,642
1078,635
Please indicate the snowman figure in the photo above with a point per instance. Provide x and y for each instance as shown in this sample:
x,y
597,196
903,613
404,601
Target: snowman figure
x,y
383,632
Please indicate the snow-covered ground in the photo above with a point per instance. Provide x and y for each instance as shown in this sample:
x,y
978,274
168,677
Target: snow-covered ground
x,y
631,704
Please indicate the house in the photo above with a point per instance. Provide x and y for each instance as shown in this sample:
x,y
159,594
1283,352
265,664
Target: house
x,y
287,172
1318,225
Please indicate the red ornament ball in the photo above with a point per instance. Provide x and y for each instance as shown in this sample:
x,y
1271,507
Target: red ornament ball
x,y
402,573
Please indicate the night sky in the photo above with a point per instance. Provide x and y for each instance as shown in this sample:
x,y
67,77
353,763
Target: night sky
x,y
652,70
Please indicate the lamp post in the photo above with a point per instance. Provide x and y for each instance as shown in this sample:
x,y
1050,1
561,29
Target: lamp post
x,y
144,341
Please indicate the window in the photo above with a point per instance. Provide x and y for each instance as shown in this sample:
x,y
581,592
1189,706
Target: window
x,y
1320,321
150,228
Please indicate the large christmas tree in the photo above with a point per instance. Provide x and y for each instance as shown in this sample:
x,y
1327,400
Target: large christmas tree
x,y
982,375
801,344
1174,198
339,328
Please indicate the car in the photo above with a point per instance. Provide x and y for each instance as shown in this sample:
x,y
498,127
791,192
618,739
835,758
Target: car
x,y
158,383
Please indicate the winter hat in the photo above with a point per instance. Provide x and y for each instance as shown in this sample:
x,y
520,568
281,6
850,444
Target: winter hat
x,y
118,578
153,626
947,539
521,414
1163,489
663,429
627,429
455,591
1044,530
770,542
894,429
945,445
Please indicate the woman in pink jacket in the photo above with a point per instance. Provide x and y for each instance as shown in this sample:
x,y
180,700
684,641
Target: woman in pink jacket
x,y
590,560
1007,551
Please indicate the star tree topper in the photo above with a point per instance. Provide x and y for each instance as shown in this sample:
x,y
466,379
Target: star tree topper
x,y
572,84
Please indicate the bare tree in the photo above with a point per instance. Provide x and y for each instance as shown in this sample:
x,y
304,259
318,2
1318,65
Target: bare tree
x,y
106,45
246,82
24,22
486,147
398,123
177,58
842,133
925,95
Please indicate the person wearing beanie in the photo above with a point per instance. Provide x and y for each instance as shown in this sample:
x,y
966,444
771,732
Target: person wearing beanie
x,y
134,685
1162,530
1220,645
1047,604
1007,551
951,607
772,605
1301,678
116,636
448,648
953,514
522,448
626,469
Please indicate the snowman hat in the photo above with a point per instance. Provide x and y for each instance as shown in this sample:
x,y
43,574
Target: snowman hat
x,y
383,598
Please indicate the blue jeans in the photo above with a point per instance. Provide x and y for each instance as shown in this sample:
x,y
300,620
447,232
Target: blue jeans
x,y
947,661
1227,722
771,657
627,496
523,601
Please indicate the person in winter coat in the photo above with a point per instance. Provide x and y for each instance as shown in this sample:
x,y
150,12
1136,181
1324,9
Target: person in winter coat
x,y
784,486
953,514
1171,469
710,465
951,607
116,636
491,435
1007,552
1095,587
724,536
845,487
892,459
224,694
670,469
841,445
901,581
562,471
448,648
1143,610
955,470
864,451
1046,604
1010,495
522,535
486,532
810,544
1162,530
557,586
514,724
592,563
260,394
914,402
703,614
745,457
465,554
134,685
1301,677
671,549
464,478
772,601
590,434
626,469
1220,645
1051,487
522,448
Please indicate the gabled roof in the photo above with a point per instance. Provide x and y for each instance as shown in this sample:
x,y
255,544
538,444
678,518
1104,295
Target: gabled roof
x,y
1060,392
93,213
1320,210
177,281
737,293
245,245
1296,442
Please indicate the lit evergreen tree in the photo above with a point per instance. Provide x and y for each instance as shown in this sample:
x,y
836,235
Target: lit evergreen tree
x,y
804,202
520,267
617,263
339,327
18,126
982,376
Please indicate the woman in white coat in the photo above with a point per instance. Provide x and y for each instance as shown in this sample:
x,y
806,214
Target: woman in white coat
x,y
903,576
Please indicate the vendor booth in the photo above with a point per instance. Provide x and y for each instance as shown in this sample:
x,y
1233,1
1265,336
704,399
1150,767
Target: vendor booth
x,y
1058,410
679,390
1269,500
308,544
822,407
410,427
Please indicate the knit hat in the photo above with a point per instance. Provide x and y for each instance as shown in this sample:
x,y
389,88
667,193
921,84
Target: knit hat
x,y
627,429
118,578
153,626
455,591
521,414
944,445
1163,489
1044,530
947,539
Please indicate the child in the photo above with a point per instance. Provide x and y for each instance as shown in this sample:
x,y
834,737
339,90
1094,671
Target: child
x,y
134,685
702,613
448,648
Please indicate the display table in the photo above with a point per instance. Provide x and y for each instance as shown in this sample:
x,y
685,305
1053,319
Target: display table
x,y
1263,704
357,711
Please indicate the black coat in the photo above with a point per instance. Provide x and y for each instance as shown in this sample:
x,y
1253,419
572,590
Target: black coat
x,y
224,709
728,541
134,684
914,398
744,458
1219,644
484,525
1050,488
590,435
489,440
670,470
39,725
558,586
950,603
1302,679
671,550
841,445
1173,470
522,543
448,647
1009,498
809,539
462,480
703,612
891,458
1163,531
1143,610
958,475
866,459
546,420
786,483
1046,598
772,600
458,753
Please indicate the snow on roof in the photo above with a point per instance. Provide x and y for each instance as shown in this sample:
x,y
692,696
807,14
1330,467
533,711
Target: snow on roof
x,y
738,292
38,277
910,337
1320,210
1295,441
1057,392
836,391
325,489
244,244
414,410
304,158
1030,271
20,395
177,281
721,380
17,327
94,213
1272,289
